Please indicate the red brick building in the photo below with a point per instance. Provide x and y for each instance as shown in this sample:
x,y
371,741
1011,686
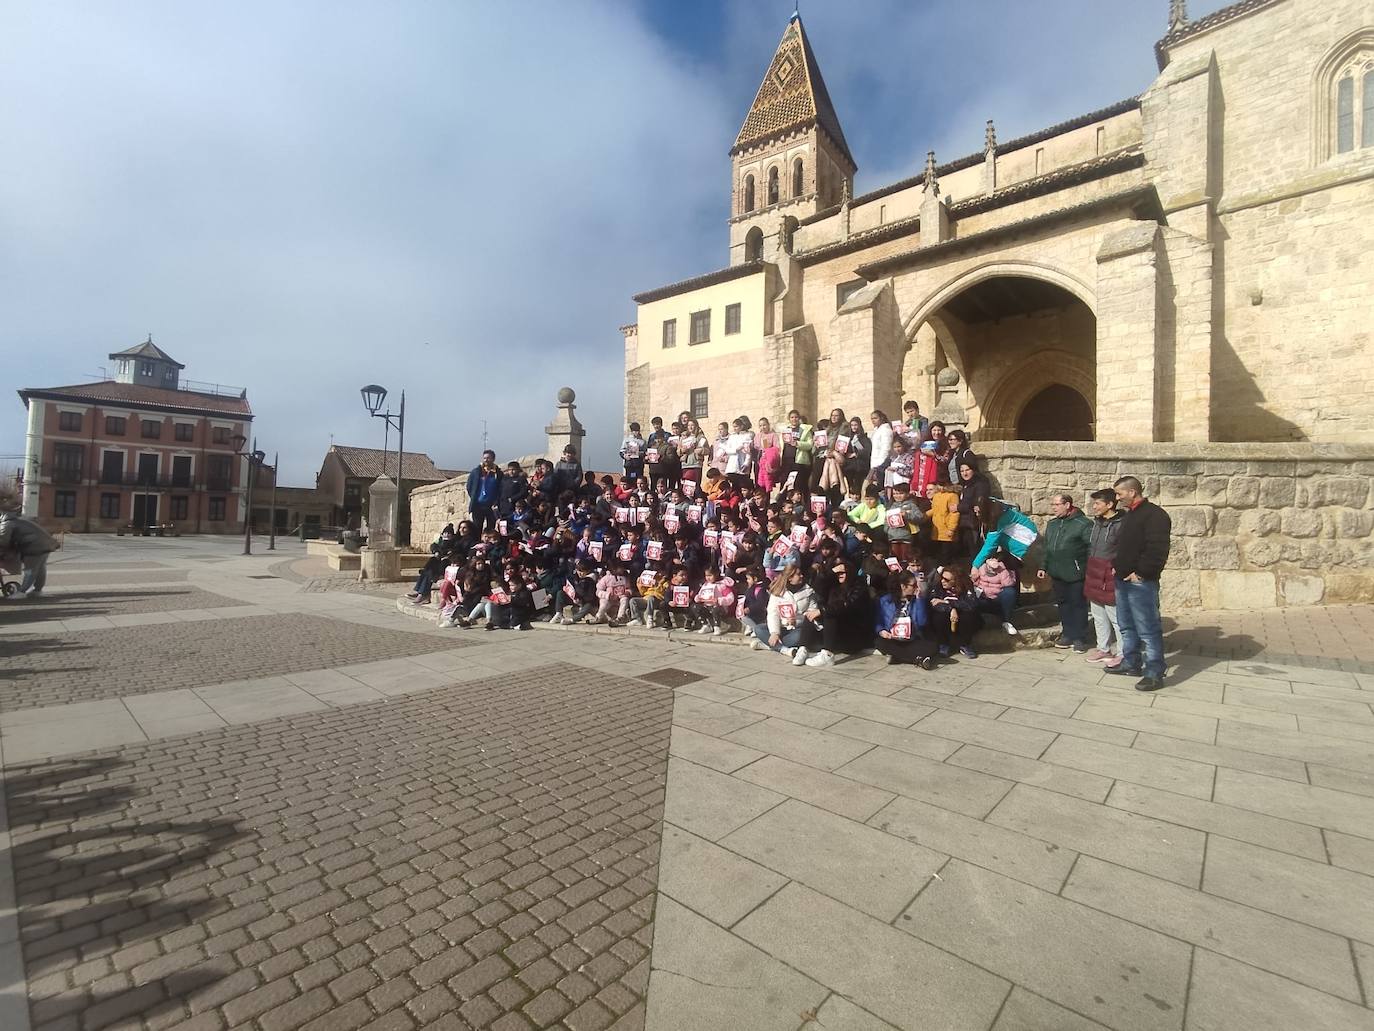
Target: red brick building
x,y
137,450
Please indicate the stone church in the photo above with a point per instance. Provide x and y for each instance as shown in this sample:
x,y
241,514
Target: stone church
x,y
1192,264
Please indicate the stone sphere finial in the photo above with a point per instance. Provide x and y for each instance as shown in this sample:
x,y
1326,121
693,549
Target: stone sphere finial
x,y
947,377
567,396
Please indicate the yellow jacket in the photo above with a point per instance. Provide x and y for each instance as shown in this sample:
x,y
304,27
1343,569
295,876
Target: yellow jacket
x,y
944,513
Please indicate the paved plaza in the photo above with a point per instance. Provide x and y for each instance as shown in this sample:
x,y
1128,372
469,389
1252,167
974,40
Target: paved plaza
x,y
238,793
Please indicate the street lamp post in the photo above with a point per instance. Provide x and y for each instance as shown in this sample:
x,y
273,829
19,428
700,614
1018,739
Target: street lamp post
x,y
254,459
374,396
272,515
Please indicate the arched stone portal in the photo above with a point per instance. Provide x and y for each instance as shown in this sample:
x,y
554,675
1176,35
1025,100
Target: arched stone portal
x,y
1056,413
1012,336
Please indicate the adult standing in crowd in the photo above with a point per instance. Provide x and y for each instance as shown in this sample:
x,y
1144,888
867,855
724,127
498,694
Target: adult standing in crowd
x,y
1099,580
882,447
1067,536
959,449
484,492
975,498
796,451
33,544
692,448
1142,551
858,453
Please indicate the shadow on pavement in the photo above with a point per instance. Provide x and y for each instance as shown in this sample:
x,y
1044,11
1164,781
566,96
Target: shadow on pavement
x,y
95,883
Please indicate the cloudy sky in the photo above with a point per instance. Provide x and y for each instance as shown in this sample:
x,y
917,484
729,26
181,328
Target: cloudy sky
x,y
455,198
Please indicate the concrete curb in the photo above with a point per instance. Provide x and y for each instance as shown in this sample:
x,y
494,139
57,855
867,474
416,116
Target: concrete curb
x,y
986,640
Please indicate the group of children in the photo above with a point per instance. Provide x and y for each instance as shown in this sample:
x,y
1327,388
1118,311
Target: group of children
x,y
808,564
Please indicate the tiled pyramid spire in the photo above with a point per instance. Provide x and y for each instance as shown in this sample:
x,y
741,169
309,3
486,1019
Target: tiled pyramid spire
x,y
792,95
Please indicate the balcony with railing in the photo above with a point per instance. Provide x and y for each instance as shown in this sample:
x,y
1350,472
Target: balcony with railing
x,y
175,481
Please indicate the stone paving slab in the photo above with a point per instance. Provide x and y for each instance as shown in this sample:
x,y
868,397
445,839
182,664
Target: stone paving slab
x,y
60,668
464,853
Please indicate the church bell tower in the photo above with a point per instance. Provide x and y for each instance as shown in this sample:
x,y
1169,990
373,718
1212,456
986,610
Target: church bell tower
x,y
790,158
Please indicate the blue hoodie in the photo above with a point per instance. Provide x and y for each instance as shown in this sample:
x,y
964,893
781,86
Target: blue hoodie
x,y
887,612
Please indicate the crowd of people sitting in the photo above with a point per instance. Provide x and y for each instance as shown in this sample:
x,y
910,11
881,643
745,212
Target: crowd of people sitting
x,y
813,540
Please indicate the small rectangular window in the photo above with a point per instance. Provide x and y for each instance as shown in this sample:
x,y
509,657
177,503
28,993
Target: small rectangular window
x,y
698,403
1101,139
731,319
64,504
152,429
215,510
114,425
701,327
670,332
185,431
1039,160
69,421
180,506
844,291
219,435
109,506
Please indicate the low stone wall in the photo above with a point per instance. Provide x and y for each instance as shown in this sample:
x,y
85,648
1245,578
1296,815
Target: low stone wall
x,y
435,504
1255,525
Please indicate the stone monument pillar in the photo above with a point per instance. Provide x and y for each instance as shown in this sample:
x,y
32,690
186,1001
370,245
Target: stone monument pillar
x,y
381,557
565,429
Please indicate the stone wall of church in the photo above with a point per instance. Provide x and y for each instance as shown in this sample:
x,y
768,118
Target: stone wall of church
x,y
434,505
1294,222
1255,525
1294,355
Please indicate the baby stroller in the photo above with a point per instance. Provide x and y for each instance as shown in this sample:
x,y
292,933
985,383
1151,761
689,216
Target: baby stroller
x,y
11,564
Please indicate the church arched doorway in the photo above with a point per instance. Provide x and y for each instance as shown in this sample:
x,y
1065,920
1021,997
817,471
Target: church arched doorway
x,y
1056,413
1014,355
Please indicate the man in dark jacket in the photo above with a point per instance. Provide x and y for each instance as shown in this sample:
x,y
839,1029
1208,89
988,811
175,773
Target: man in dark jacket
x,y
1142,550
567,474
515,486
1066,561
484,493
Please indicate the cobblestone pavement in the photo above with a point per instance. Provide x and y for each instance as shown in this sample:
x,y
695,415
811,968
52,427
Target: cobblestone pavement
x,y
55,669
476,856
62,577
81,602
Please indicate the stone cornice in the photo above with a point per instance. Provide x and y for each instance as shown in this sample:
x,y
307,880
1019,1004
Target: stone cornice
x,y
1141,199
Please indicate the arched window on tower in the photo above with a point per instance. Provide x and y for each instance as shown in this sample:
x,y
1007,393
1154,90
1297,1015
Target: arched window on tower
x,y
797,178
773,185
748,193
753,244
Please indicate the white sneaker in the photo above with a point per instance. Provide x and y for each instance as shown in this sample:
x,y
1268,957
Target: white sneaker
x,y
755,645
557,619
1011,630
799,658
705,629
718,631
447,624
821,658
787,653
